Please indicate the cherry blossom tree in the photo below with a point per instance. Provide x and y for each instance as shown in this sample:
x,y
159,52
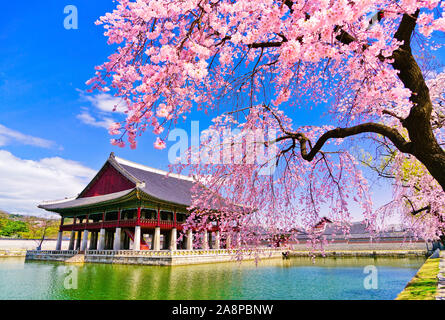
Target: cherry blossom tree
x,y
260,65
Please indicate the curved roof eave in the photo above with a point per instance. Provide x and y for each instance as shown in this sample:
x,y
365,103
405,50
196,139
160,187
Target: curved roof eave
x,y
89,202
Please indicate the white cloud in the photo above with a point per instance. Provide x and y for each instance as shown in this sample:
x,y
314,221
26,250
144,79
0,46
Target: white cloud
x,y
102,106
87,118
26,183
8,135
106,102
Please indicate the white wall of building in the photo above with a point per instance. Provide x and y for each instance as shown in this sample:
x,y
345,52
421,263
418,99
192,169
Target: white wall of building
x,y
17,244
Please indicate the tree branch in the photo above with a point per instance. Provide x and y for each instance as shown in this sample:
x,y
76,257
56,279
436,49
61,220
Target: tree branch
x,y
392,134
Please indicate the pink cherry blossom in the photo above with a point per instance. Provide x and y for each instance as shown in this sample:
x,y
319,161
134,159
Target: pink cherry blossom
x,y
159,144
265,65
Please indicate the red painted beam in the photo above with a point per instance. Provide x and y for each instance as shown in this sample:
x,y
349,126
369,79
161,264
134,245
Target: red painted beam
x,y
147,223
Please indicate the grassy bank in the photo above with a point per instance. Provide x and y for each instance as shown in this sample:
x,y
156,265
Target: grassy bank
x,y
423,285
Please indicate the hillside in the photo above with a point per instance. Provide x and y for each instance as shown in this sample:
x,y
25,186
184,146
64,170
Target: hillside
x,y
27,227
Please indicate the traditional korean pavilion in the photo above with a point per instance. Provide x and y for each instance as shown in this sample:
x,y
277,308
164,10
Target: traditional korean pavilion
x,y
129,206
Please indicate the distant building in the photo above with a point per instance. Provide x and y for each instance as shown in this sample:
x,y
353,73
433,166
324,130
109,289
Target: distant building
x,y
360,237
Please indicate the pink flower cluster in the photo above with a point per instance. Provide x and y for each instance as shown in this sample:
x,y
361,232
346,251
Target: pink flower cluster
x,y
175,56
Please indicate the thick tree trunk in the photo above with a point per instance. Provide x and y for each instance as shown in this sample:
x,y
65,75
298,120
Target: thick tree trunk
x,y
434,161
424,145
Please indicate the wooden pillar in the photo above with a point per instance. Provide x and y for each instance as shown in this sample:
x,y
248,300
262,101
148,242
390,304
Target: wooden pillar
x,y
93,239
78,239
139,216
228,241
73,234
59,240
137,238
72,239
205,240
117,245
123,237
210,240
173,239
217,240
110,240
157,239
60,235
117,239
159,216
101,244
189,244
84,247
174,217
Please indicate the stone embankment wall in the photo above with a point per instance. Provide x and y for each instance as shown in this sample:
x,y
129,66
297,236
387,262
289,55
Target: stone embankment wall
x,y
361,253
50,255
175,260
358,246
160,258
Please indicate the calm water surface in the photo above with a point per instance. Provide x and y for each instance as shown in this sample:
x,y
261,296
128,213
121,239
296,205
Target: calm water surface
x,y
296,278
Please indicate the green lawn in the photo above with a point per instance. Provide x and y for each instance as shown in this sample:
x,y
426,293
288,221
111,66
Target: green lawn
x,y
424,284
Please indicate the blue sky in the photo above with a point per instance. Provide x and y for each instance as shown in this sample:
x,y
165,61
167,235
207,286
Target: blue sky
x,y
43,72
51,131
43,69
52,135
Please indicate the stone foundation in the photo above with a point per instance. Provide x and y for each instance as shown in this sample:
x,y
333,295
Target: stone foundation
x,y
190,257
50,255
361,253
364,246
159,258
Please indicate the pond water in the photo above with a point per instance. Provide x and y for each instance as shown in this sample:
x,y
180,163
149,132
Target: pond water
x,y
295,278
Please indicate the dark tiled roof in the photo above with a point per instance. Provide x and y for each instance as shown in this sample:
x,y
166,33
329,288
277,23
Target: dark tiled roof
x,y
355,228
357,231
160,186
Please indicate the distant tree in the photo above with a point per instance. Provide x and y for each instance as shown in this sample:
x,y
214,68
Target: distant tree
x,y
13,228
40,230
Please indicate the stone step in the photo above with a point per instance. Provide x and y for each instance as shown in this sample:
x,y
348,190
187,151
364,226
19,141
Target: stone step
x,y
78,258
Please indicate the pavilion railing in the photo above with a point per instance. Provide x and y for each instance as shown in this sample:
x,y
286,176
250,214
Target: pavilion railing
x,y
46,252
